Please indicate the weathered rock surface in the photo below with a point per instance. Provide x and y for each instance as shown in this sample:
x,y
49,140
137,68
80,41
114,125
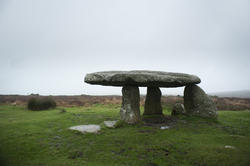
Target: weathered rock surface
x,y
178,109
197,102
153,102
142,78
229,147
130,110
110,124
164,127
87,128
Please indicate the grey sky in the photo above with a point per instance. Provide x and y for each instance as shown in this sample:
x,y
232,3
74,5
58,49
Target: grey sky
x,y
47,46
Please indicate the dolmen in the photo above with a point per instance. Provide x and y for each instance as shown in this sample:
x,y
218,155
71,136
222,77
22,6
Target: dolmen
x,y
196,102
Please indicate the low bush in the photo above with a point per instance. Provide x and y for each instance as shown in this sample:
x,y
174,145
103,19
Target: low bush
x,y
41,104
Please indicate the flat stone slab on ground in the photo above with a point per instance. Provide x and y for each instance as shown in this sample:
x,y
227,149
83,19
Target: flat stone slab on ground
x,y
86,128
164,127
229,147
142,78
110,124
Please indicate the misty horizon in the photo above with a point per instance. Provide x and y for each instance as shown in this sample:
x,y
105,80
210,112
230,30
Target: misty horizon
x,y
47,47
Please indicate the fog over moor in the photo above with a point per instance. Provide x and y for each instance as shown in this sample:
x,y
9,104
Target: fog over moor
x,y
47,47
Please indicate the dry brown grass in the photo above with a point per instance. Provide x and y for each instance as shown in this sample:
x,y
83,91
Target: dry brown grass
x,y
86,100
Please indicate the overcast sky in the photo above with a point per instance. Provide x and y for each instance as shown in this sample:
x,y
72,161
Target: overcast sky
x,y
47,46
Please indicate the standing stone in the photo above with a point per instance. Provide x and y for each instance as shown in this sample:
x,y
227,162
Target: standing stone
x,y
153,102
130,110
197,102
178,109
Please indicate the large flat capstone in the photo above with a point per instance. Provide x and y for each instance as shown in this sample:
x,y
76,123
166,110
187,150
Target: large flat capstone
x,y
142,78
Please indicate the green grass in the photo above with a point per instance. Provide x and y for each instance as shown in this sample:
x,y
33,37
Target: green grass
x,y
40,138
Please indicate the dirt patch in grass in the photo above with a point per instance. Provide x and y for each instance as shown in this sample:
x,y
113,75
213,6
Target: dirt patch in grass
x,y
158,121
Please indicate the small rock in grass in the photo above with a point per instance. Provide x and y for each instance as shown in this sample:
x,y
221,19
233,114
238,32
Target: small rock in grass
x,y
178,109
87,128
164,127
229,147
110,124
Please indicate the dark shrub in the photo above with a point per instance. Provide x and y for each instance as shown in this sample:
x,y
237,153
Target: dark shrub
x,y
41,103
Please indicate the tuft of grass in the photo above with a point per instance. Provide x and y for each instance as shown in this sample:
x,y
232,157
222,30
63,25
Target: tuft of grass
x,y
31,138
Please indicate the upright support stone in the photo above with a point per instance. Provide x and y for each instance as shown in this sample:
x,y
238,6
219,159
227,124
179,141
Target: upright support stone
x,y
198,103
130,110
153,102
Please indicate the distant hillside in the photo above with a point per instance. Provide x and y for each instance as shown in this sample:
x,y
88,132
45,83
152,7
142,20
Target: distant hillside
x,y
225,103
238,94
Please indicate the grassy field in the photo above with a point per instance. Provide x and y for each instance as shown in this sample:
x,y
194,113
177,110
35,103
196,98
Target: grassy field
x,y
40,138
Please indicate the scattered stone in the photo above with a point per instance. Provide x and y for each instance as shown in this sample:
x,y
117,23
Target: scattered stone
x,y
178,109
143,78
164,127
110,124
130,110
87,128
198,103
153,102
229,147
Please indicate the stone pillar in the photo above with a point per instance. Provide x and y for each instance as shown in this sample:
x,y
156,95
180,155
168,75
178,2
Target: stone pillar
x,y
153,102
198,103
130,110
